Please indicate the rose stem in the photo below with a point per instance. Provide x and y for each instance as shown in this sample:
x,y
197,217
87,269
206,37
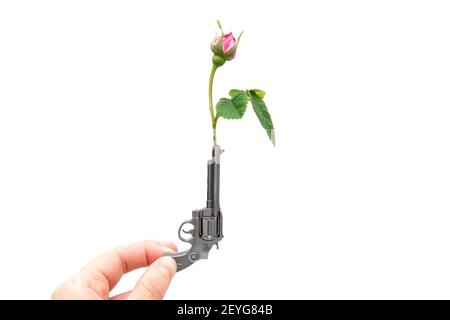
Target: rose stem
x,y
211,107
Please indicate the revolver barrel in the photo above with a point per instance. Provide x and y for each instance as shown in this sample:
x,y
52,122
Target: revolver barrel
x,y
213,200
211,180
211,224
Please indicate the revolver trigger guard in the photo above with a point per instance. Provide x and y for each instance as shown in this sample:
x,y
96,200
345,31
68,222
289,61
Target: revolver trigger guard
x,y
181,231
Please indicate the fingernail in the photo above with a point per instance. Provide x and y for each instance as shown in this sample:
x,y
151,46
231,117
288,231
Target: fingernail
x,y
167,265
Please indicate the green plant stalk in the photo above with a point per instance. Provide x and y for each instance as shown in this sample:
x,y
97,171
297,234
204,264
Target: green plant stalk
x,y
211,106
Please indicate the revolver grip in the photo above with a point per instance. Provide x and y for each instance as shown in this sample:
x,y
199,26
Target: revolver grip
x,y
181,258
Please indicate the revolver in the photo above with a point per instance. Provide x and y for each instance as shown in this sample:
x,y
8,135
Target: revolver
x,y
206,223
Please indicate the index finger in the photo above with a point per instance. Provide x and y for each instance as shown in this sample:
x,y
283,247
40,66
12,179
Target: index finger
x,y
113,264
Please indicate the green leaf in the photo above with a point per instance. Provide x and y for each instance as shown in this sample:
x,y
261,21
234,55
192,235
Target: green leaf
x,y
260,93
234,92
263,115
233,108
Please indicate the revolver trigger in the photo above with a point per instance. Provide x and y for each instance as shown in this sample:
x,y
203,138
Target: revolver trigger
x,y
217,246
188,231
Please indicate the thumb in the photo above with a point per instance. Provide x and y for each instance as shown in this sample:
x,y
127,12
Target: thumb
x,y
155,281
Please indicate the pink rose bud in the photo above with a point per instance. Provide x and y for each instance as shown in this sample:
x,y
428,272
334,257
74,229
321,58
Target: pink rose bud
x,y
224,47
228,41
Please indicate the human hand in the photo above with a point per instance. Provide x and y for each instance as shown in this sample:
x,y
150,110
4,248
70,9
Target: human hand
x,y
99,277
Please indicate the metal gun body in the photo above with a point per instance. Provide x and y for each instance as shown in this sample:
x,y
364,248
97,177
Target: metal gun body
x,y
206,223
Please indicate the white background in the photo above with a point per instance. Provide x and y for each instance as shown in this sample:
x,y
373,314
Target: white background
x,y
105,134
